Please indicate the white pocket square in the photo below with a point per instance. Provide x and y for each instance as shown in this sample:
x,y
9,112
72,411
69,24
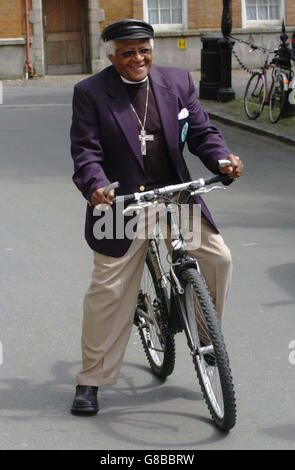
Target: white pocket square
x,y
183,114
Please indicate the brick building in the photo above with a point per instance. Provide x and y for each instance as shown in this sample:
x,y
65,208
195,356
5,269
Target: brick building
x,y
64,34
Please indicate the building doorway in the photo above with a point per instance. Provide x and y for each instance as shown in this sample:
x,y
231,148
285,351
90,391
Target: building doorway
x,y
65,36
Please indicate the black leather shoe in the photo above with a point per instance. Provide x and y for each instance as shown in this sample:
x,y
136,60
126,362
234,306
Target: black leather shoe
x,y
85,401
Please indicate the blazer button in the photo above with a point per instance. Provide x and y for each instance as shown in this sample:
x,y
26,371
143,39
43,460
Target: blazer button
x,y
141,188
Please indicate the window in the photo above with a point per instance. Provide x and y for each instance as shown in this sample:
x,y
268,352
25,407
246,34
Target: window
x,y
262,12
165,14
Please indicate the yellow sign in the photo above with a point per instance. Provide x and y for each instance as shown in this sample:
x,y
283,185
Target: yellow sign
x,y
182,43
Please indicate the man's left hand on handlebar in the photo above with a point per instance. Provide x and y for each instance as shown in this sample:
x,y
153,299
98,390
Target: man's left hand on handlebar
x,y
235,169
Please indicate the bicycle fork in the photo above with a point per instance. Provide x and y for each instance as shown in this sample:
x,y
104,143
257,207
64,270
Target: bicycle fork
x,y
180,311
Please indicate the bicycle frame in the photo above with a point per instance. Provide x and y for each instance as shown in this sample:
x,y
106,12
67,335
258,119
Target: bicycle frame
x,y
276,72
177,318
264,74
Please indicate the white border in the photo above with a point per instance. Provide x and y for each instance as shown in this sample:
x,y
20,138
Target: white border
x,y
1,100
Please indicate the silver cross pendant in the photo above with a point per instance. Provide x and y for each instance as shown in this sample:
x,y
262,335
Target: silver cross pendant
x,y
144,138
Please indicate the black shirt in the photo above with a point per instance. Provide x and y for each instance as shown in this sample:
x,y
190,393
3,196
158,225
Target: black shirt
x,y
157,162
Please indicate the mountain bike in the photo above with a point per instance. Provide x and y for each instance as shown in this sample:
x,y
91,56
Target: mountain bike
x,y
179,300
257,93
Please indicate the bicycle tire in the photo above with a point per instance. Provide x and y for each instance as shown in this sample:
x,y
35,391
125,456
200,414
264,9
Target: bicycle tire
x,y
153,328
213,369
254,97
277,98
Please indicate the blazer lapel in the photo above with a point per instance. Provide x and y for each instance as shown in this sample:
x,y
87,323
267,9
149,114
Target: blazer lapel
x,y
121,109
168,108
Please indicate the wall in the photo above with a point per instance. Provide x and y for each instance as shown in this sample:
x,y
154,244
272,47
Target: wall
x,y
115,10
12,43
290,13
12,23
11,19
202,14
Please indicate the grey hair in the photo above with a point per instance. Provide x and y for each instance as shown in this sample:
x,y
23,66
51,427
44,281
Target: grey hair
x,y
109,46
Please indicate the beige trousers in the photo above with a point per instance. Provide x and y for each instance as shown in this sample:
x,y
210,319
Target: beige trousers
x,y
110,302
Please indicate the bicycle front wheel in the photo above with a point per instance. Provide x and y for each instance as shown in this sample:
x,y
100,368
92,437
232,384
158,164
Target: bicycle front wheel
x,y
276,99
208,350
152,320
254,97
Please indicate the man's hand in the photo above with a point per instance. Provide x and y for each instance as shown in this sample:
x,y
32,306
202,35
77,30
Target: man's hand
x,y
99,198
235,169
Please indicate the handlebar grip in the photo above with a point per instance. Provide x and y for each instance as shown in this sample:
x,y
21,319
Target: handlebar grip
x,y
111,186
121,199
218,179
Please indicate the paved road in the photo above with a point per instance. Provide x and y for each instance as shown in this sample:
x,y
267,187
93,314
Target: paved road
x,y
45,269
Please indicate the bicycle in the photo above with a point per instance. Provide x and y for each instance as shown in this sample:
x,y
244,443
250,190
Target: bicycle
x,y
257,93
179,300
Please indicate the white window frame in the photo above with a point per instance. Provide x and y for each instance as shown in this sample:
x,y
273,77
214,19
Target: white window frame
x,y
168,26
262,23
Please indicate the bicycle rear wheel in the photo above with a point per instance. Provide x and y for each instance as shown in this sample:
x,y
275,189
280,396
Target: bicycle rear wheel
x,y
208,350
276,99
152,320
254,97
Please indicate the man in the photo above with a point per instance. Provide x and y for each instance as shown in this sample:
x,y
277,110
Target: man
x,y
130,124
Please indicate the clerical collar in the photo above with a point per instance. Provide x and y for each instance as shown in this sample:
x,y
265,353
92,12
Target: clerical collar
x,y
133,83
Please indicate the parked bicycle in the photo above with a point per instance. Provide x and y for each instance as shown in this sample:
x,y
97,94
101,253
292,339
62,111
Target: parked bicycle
x,y
258,94
178,300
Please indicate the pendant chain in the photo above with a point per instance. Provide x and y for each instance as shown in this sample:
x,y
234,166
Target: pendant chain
x,y
146,106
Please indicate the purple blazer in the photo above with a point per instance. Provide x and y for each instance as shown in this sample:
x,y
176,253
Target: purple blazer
x,y
105,145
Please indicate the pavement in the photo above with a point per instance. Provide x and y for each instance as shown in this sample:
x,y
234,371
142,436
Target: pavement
x,y
230,113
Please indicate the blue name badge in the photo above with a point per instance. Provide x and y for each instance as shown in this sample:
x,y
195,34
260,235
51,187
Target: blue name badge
x,y
184,132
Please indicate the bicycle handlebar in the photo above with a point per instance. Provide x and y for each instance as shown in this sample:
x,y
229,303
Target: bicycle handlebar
x,y
189,186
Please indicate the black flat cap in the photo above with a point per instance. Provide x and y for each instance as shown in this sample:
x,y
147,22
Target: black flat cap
x,y
127,29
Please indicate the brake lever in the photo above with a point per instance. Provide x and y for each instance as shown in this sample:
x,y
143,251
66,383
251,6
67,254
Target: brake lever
x,y
134,207
131,209
206,190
